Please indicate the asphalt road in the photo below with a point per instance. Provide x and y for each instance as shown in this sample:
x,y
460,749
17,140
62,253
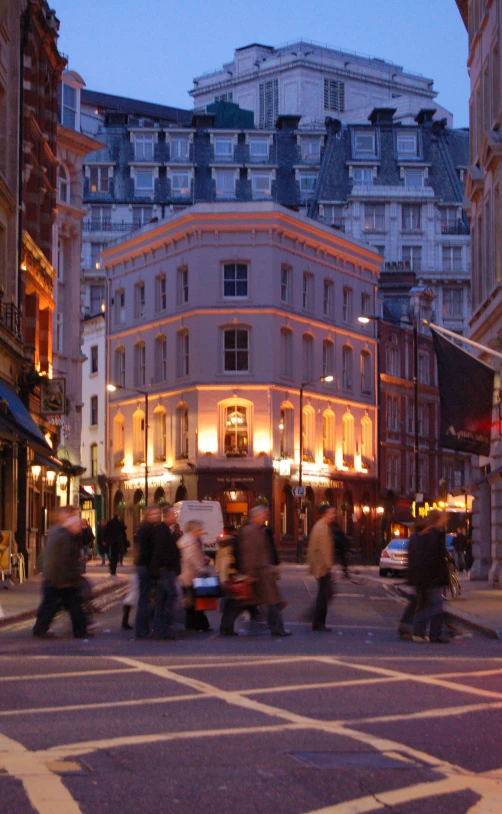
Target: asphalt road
x,y
341,723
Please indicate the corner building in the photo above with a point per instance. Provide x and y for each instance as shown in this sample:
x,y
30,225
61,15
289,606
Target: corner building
x,y
221,313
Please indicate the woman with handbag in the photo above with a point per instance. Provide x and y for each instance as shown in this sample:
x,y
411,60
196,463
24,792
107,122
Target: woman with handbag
x,y
193,564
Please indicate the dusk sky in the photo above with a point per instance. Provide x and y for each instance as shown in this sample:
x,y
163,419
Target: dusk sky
x,y
153,49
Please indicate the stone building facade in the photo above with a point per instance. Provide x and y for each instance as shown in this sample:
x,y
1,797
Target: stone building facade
x,y
220,313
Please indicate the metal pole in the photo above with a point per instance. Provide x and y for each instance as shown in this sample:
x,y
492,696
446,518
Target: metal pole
x,y
463,340
146,447
299,542
300,469
415,406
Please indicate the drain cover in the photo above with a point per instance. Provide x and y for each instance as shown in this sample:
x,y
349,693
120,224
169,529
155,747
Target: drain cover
x,y
354,760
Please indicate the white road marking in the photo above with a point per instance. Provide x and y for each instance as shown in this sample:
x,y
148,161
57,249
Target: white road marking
x,y
73,674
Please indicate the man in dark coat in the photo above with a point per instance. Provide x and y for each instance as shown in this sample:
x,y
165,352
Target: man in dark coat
x,y
429,572
115,540
61,571
165,569
459,546
145,540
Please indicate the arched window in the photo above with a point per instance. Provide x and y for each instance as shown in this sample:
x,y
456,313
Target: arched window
x,y
328,437
159,496
63,184
159,433
287,430
308,358
119,361
328,358
118,440
182,430
182,354
309,434
139,364
365,370
348,440
236,442
366,441
347,357
160,358
138,437
287,353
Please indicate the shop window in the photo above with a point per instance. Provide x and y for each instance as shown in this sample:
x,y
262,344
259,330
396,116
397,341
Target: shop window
x,y
236,433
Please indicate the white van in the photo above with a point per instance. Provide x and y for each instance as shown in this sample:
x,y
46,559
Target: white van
x,y
208,512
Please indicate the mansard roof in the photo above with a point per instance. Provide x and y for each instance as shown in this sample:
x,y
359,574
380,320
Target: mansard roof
x,y
108,102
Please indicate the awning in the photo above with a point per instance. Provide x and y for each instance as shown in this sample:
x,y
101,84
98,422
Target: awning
x,y
19,422
47,460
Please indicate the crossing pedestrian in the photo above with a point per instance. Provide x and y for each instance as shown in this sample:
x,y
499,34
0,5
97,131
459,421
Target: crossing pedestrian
x,y
165,569
320,558
114,538
193,564
145,544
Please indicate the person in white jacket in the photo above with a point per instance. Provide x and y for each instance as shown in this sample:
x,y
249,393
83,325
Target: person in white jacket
x,y
193,564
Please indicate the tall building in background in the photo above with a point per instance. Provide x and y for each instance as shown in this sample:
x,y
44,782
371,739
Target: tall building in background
x,y
312,80
483,189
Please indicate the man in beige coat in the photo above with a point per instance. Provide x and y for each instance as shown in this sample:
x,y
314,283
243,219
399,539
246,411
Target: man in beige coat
x,y
320,557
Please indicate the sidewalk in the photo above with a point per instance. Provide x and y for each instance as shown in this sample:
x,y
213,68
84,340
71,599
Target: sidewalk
x,y
21,601
479,606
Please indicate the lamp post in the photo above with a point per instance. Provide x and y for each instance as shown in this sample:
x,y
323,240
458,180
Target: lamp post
x,y
422,298
365,319
111,388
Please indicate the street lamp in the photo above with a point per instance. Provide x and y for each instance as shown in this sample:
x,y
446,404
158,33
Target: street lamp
x,y
111,388
422,297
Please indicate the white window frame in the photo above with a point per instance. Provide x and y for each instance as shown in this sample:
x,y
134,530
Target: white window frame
x,y
347,367
144,191
347,304
453,301
256,179
182,354
328,299
260,155
334,95
365,371
374,217
223,191
411,217
177,152
308,351
308,291
362,176
102,178
69,106
364,151
94,360
181,189
414,257
286,284
451,257
410,174
139,300
182,285
236,281
93,409
161,292
235,352
139,364
286,350
311,149
142,143
119,366
404,139
308,183
160,358
224,148
328,358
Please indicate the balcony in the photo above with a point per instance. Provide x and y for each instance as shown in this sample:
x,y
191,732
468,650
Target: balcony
x,y
110,226
10,317
458,228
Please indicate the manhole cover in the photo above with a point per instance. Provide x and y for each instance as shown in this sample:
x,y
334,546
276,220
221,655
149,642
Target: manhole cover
x,y
354,760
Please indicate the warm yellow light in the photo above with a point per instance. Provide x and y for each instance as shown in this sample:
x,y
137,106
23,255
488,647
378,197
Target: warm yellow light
x,y
366,509
111,388
441,504
281,425
327,378
63,481
208,441
35,471
380,510
51,476
396,533
363,320
261,443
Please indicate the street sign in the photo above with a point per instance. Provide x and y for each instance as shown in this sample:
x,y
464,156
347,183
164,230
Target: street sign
x,y
299,491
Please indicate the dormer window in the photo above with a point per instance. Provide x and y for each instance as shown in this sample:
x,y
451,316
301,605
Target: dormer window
x,y
311,149
224,148
258,148
407,144
364,144
413,178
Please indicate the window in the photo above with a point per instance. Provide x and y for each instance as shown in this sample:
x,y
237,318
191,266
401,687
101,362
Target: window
x,y
334,95
452,258
63,184
59,333
413,178
101,217
143,147
141,215
393,474
309,434
225,183
308,291
139,364
261,184
347,304
374,217
160,293
328,358
423,368
411,417
413,256
328,298
119,367
347,356
311,148
308,358
392,413
258,148
143,182
94,410
118,440
449,220
138,437
365,370
69,106
180,149
97,298
269,103
364,144
180,183
365,304
159,434
235,280
366,441
224,148
182,356
287,353
407,144
94,460
236,438
348,439
119,299
60,260
328,437
94,359
98,179
224,97
182,286
287,430
423,419
424,475
286,284
392,357
96,249
362,176
139,300
452,302
307,183
160,359
411,217
182,433
235,350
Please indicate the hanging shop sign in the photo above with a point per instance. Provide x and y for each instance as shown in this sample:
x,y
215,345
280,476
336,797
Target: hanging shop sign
x,y
53,396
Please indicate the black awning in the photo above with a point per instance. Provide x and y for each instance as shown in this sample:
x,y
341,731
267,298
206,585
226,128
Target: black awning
x,y
19,423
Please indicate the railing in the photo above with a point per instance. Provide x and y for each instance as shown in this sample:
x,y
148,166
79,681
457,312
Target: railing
x,y
111,226
10,317
397,265
458,228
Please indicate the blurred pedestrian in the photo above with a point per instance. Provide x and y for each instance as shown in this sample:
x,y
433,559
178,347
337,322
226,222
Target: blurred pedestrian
x,y
165,569
61,572
194,563
430,575
469,559
320,557
225,569
177,533
101,542
342,547
459,546
405,628
114,538
145,545
87,541
256,561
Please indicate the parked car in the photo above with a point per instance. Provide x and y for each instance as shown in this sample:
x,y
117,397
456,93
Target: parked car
x,y
394,557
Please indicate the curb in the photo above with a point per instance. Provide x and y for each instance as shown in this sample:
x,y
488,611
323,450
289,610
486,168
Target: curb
x,y
31,614
461,616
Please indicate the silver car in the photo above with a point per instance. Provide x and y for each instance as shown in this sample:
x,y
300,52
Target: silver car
x,y
394,557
